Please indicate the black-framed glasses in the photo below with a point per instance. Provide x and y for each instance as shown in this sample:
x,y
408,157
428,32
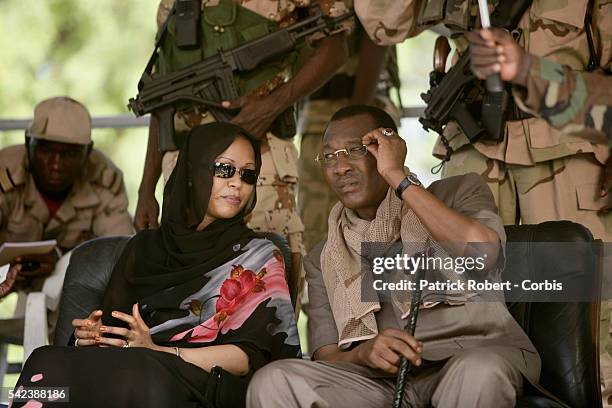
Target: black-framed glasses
x,y
226,170
352,153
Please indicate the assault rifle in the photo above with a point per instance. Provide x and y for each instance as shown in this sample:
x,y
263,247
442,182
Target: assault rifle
x,y
457,94
211,81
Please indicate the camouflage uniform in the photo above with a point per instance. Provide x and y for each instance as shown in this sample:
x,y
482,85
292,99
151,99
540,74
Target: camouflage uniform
x,y
535,164
569,100
277,185
97,205
316,198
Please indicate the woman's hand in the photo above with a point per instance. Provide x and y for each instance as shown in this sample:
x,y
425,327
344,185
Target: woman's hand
x,y
86,331
136,336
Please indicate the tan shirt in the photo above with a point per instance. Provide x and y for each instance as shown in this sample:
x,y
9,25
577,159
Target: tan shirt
x,y
550,29
96,206
284,13
444,329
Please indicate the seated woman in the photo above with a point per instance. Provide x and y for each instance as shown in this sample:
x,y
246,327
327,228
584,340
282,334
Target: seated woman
x,y
192,309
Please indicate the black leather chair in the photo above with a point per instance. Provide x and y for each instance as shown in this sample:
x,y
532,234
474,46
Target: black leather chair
x,y
565,334
89,271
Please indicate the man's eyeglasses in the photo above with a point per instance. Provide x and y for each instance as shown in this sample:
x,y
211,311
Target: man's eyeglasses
x,y
352,153
226,170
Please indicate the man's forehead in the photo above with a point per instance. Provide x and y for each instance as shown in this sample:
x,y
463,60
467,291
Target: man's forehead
x,y
341,140
348,130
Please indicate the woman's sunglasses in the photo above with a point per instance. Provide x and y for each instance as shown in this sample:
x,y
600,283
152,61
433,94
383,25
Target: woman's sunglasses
x,y
226,170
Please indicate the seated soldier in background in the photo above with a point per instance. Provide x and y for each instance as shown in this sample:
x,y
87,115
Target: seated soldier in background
x,y
58,187
468,350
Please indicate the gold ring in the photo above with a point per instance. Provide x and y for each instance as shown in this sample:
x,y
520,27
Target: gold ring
x,y
126,345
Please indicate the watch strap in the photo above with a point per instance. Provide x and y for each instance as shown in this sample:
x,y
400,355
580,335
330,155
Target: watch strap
x,y
403,185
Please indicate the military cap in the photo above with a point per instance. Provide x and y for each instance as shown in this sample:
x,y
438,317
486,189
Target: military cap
x,y
61,119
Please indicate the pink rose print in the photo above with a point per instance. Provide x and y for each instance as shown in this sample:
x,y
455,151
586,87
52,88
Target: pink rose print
x,y
239,296
236,289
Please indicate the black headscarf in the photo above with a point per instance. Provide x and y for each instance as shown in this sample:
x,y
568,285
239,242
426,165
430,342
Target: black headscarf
x,y
217,286
156,260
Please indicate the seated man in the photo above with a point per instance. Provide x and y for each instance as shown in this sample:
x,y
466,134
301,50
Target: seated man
x,y
58,187
464,353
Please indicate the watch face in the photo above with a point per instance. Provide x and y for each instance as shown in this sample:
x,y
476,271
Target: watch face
x,y
413,179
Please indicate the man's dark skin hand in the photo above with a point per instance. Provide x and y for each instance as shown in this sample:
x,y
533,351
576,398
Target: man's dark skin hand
x,y
46,266
495,51
147,208
256,115
7,285
383,352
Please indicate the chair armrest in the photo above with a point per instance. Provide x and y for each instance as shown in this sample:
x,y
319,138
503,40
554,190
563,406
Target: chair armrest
x,y
35,327
89,270
536,402
52,287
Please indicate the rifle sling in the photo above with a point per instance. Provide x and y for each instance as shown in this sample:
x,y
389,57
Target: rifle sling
x,y
161,35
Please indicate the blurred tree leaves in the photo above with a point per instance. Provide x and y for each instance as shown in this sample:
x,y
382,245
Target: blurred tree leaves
x,y
93,51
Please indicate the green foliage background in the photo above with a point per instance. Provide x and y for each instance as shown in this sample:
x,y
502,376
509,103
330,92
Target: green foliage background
x,y
95,51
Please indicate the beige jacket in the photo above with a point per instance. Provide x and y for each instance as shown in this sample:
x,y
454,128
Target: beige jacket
x,y
550,29
445,330
96,206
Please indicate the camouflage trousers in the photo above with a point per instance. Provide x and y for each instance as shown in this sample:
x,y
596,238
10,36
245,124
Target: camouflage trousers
x,y
560,189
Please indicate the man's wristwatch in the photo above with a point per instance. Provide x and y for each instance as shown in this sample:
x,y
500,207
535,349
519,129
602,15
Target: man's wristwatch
x,y
410,180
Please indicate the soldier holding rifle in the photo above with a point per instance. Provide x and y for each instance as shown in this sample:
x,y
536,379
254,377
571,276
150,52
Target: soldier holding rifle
x,y
263,94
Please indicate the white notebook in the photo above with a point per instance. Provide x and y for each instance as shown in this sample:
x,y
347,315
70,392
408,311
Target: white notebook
x,y
11,250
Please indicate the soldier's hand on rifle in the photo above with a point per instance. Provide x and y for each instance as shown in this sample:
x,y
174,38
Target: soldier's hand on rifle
x,y
495,51
385,350
256,113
